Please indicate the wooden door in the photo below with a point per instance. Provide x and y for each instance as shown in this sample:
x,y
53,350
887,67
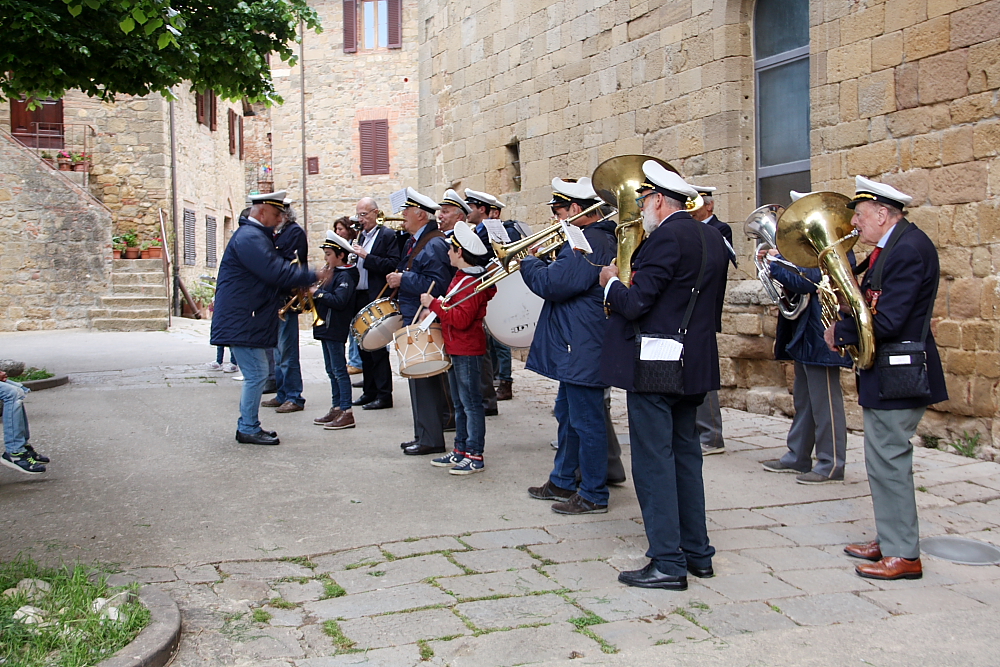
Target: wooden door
x,y
41,128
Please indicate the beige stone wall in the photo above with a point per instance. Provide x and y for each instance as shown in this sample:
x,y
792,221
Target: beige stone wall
x,y
901,90
341,90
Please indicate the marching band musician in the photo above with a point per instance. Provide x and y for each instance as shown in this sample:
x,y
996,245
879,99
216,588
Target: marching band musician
x,y
247,300
900,286
678,255
425,261
378,255
567,348
453,210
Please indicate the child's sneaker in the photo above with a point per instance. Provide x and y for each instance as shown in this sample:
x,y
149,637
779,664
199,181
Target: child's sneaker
x,y
468,466
229,368
35,456
213,366
448,460
22,461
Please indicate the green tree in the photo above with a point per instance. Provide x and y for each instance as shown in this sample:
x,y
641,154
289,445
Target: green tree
x,y
137,47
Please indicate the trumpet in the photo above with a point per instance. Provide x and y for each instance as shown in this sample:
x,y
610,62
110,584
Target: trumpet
x,y
382,219
302,301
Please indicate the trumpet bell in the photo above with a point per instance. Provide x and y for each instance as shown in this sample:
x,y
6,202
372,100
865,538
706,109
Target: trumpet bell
x,y
818,220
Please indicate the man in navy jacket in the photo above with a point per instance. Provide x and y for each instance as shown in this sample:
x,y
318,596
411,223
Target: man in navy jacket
x,y
666,451
901,311
567,346
252,280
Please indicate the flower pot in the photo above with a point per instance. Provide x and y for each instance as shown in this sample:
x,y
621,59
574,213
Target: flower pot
x,y
65,165
117,254
155,252
144,254
132,253
49,161
81,166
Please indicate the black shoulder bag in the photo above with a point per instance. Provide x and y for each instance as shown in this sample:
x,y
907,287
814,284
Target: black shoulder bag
x,y
667,377
902,367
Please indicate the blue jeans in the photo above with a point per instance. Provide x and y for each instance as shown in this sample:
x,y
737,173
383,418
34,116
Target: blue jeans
x,y
336,370
253,363
500,354
583,442
354,357
287,372
220,353
15,421
467,397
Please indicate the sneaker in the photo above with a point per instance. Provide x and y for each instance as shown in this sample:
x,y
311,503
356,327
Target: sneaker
x,y
237,378
708,451
35,456
775,465
577,504
816,478
230,368
22,461
213,366
550,491
468,466
343,420
448,460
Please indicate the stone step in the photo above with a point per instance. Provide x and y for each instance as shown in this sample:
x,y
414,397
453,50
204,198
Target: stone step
x,y
137,265
143,290
127,313
139,278
142,324
133,301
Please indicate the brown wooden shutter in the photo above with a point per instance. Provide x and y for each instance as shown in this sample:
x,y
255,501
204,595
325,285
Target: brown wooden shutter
x,y
350,26
395,24
242,153
199,106
211,254
366,132
312,165
381,128
231,117
190,254
213,104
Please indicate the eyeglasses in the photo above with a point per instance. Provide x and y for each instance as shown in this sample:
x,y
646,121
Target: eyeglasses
x,y
640,201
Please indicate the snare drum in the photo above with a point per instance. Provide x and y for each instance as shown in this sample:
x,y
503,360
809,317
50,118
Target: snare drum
x,y
375,324
421,353
512,315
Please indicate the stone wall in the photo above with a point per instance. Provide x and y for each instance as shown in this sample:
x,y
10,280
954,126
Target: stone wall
x,y
341,90
903,91
55,245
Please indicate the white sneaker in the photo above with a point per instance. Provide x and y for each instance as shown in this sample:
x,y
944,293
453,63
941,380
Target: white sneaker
x,y
238,378
230,368
213,366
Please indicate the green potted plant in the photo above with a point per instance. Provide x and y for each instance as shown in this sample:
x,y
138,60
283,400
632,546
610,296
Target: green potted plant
x,y
131,239
49,158
81,161
155,248
65,160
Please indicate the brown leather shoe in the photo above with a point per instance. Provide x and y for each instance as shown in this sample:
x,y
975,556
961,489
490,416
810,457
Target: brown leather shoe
x,y
290,406
892,567
353,370
505,391
328,417
270,403
867,551
577,504
550,491
343,420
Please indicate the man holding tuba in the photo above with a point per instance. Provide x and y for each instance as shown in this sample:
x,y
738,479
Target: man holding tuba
x,y
678,278
900,286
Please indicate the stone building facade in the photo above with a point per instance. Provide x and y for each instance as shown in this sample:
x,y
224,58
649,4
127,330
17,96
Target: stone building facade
x,y
343,90
904,91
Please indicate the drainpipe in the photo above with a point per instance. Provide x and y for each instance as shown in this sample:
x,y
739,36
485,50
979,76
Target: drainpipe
x,y
174,301
302,108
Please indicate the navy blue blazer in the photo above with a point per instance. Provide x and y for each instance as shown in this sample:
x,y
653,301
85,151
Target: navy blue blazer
x,y
664,271
802,339
336,303
382,260
909,279
432,264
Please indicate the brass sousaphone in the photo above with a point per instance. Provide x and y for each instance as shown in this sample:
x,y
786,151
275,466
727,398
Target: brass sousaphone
x,y
816,231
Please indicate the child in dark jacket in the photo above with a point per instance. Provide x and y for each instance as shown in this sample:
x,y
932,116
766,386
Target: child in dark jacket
x,y
336,304
465,342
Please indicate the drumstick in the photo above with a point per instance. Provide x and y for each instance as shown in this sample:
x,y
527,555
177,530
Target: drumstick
x,y
384,288
422,305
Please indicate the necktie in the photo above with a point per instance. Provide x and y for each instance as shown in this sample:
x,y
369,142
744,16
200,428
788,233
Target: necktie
x,y
873,257
408,247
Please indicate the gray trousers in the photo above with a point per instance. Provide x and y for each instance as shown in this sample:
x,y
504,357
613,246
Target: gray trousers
x,y
889,459
819,422
429,405
709,421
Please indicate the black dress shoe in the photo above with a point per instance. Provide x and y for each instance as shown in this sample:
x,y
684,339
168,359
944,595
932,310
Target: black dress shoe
x,y
378,404
616,481
259,438
270,388
650,577
701,572
492,412
363,400
417,449
408,443
359,384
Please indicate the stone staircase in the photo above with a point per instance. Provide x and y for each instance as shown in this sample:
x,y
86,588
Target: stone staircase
x,y
138,301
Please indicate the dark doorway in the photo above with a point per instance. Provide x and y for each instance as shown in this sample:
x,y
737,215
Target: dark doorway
x,y
41,128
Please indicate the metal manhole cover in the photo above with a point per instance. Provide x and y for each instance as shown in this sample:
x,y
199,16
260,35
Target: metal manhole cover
x,y
961,550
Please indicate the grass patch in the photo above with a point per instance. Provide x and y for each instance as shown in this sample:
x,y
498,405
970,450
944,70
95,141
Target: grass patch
x,y
775,608
922,489
698,604
340,640
685,614
31,374
376,573
331,589
930,441
70,632
967,444
261,616
281,603
299,560
426,652
466,570
208,381
412,539
663,642
588,618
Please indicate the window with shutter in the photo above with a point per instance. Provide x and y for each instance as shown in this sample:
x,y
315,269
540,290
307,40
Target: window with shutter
x,y
190,254
350,26
211,260
312,165
199,107
242,153
213,105
374,141
232,132
395,27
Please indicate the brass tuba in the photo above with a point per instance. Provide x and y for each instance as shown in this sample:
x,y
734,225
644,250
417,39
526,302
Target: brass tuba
x,y
816,231
762,224
615,181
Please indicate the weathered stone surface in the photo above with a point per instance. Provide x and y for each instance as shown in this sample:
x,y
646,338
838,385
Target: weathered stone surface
x,y
516,647
512,612
793,558
268,643
508,538
518,582
153,575
596,529
342,559
576,550
296,592
493,560
826,580
385,601
404,549
243,589
397,656
395,573
199,574
829,609
747,538
615,604
264,570
584,576
753,586
734,619
291,618
662,629
396,629
923,600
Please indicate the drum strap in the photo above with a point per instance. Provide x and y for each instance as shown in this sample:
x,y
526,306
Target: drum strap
x,y
424,240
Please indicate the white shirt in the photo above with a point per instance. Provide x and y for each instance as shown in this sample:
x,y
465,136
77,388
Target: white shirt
x,y
885,237
368,240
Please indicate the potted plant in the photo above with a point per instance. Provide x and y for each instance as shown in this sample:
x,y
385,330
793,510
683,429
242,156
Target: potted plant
x,y
131,239
49,158
117,248
65,160
155,248
81,161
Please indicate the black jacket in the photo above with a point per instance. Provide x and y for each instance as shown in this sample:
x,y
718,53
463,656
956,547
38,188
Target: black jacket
x,y
664,271
382,260
291,243
909,277
337,303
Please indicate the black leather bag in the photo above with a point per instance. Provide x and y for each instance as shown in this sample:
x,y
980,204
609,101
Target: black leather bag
x,y
902,371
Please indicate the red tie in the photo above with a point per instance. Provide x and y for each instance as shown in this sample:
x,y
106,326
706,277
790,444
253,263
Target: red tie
x,y
409,247
873,257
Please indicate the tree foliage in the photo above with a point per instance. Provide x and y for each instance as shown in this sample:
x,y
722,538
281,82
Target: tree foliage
x,y
136,47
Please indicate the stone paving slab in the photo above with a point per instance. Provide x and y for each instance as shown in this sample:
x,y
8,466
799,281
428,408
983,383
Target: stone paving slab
x,y
828,609
494,560
828,533
397,656
794,558
827,580
410,548
748,538
341,560
733,562
577,550
396,629
509,538
741,617
295,592
244,589
264,570
154,575
513,612
399,598
965,492
291,618
986,592
269,643
659,630
596,529
518,582
747,587
584,576
959,472
827,511
199,574
740,518
396,573
615,604
697,596
517,647
925,600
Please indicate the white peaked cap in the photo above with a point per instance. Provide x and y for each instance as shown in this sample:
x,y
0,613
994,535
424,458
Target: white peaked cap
x,y
274,198
799,195
704,190
335,239
665,181
869,190
482,198
416,200
469,240
451,197
579,189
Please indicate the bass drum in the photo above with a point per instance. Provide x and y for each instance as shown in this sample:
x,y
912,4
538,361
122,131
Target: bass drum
x,y
512,314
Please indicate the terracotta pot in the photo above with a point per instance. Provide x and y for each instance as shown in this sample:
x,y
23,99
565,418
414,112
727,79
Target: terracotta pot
x,y
81,166
65,165
144,254
155,252
132,253
117,254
